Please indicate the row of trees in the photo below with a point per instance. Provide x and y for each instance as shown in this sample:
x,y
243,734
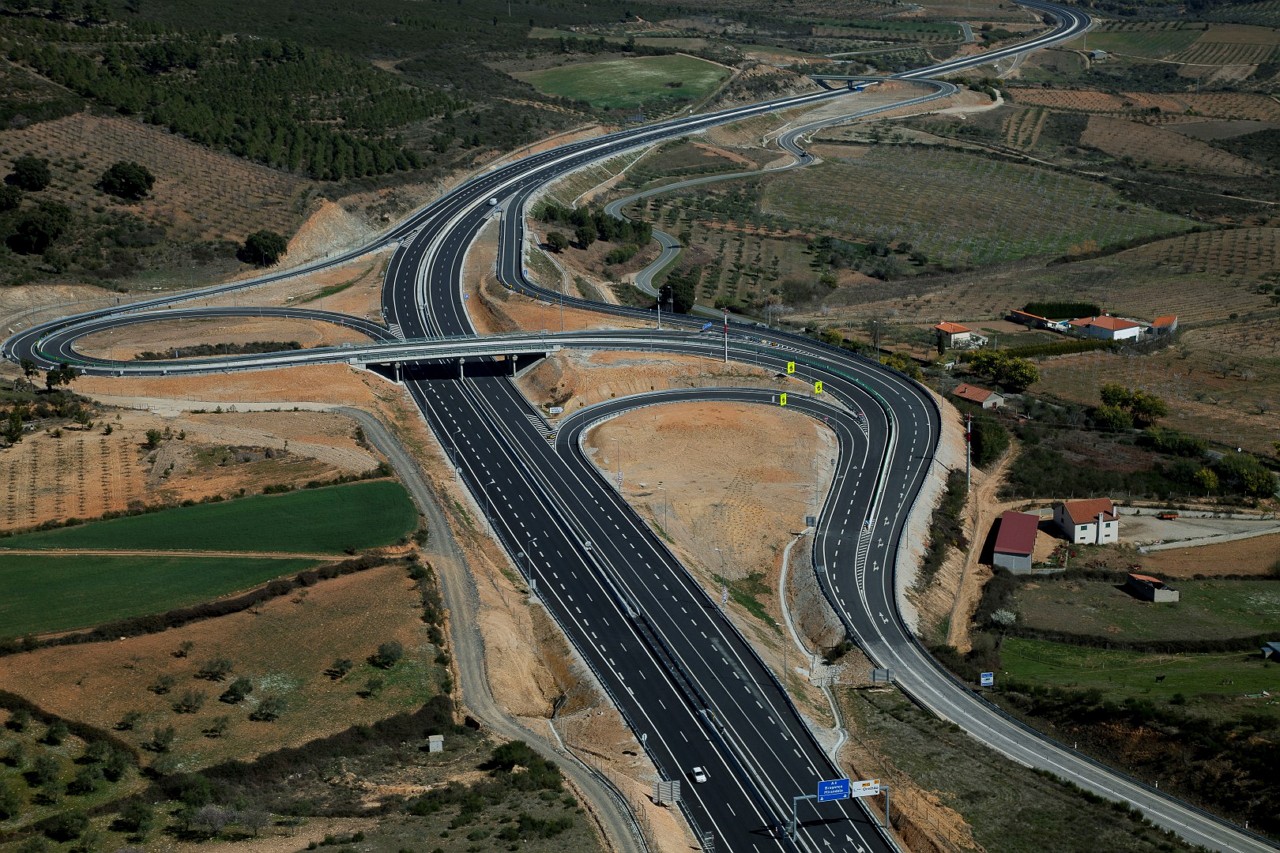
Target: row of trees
x,y
591,224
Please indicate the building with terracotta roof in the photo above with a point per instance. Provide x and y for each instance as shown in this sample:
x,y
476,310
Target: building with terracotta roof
x,y
1148,588
1166,325
983,397
1088,522
1015,541
956,336
1107,328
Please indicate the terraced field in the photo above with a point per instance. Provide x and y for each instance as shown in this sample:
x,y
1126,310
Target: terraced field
x,y
1228,105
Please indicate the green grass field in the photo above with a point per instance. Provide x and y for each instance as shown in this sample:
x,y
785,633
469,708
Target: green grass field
x,y
59,593
960,208
1152,44
1207,610
1216,684
329,520
630,83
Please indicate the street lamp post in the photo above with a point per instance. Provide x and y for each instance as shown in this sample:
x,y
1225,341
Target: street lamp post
x,y
488,503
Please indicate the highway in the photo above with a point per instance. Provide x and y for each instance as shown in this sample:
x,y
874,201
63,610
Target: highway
x,y
688,685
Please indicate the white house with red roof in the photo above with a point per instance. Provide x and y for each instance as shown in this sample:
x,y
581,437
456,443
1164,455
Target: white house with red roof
x,y
1166,325
956,336
1107,328
1088,522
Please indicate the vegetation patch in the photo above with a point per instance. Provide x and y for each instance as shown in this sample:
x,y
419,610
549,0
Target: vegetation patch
x,y
58,593
332,520
1221,685
620,84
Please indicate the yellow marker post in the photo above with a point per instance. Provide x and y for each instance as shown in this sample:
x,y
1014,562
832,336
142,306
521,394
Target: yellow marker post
x,y
782,399
817,387
791,367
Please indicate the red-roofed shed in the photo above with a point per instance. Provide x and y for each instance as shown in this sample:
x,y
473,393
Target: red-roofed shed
x,y
1016,540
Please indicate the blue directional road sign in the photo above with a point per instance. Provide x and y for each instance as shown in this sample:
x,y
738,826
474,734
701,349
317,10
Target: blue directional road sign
x,y
988,679
833,789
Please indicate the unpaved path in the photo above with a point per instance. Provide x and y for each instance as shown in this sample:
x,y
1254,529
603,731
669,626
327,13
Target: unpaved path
x,y
983,508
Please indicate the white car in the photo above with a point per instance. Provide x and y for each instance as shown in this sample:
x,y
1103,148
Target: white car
x,y
699,775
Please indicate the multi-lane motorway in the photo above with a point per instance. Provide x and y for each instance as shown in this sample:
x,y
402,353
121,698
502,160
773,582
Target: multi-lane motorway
x,y
690,687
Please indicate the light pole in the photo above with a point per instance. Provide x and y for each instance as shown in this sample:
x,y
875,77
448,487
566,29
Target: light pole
x,y
618,454
488,503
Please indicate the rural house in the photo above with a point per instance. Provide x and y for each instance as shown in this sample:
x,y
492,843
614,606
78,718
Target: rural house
x,y
984,398
1107,328
955,336
1271,651
1166,325
1015,541
1090,522
1147,588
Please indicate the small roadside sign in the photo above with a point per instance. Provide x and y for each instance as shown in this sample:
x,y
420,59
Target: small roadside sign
x,y
987,679
782,399
791,367
830,790
817,387
866,788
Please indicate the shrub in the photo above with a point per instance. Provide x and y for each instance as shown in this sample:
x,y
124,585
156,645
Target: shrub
x,y
388,655
127,180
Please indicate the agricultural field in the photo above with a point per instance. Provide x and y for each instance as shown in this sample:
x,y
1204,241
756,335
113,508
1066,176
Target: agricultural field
x,y
200,197
1251,252
1229,45
628,84
1216,684
1264,14
1142,39
926,198
1158,148
1225,395
1224,105
1208,609
48,594
328,520
75,472
283,646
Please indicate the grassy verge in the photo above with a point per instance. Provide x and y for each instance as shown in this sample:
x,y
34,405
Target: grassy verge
x,y
1009,807
630,83
1219,685
59,593
328,520
744,593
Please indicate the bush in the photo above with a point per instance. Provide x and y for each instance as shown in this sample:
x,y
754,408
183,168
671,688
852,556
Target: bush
x,y
239,689
215,670
127,180
66,826
30,173
388,655
262,248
